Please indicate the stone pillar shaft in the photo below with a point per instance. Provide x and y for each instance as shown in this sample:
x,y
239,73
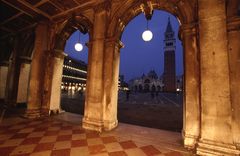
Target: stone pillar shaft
x,y
216,120
234,62
93,113
191,126
3,79
23,80
111,76
37,72
56,79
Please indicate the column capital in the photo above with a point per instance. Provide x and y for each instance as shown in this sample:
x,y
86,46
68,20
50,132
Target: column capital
x,y
188,29
233,24
114,42
25,59
4,63
59,53
104,6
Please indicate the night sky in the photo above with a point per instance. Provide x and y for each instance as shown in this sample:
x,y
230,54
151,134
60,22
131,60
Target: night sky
x,y
137,56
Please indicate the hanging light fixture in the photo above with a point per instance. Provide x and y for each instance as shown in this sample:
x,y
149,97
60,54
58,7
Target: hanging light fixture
x,y
78,46
147,35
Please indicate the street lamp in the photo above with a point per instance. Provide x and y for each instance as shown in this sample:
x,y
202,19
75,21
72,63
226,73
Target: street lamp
x,y
78,46
147,35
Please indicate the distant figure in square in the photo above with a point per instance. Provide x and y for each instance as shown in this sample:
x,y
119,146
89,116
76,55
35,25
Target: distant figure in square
x,y
127,94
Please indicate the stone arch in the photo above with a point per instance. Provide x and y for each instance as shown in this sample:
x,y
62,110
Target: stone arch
x,y
69,26
55,57
183,10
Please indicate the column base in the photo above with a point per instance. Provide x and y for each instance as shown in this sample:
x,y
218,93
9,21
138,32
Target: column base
x,y
36,113
110,125
92,124
32,113
210,148
190,141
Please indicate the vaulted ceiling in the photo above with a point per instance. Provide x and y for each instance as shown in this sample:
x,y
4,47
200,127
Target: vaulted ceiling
x,y
17,15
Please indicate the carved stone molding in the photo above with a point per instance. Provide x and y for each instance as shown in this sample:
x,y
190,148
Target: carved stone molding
x,y
187,29
106,5
233,24
206,147
59,54
114,42
25,59
92,124
4,63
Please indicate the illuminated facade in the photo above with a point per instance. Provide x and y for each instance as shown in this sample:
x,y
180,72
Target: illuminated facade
x,y
74,75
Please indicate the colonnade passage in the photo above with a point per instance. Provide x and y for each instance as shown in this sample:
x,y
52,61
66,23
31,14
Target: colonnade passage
x,y
33,36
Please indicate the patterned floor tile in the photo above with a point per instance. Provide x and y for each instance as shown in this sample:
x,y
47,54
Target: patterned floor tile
x,y
62,145
49,137
76,151
135,152
43,153
44,147
113,147
79,143
23,149
150,150
128,144
94,141
28,141
61,152
96,149
109,139
118,153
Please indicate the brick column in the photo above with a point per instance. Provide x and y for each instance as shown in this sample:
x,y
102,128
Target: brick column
x,y
216,110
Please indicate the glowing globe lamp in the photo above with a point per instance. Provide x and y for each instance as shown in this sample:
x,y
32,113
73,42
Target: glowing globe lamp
x,y
78,47
147,35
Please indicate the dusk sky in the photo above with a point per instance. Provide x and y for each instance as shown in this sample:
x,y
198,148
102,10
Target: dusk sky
x,y
137,56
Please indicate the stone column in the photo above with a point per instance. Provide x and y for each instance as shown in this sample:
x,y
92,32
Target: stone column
x,y
111,76
234,62
55,92
93,113
22,92
191,112
216,112
13,74
3,79
35,91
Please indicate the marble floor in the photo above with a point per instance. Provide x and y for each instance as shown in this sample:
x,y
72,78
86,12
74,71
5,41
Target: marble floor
x,y
62,135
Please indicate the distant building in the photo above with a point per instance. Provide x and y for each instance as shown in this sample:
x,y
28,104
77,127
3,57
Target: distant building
x,y
122,85
169,75
146,83
74,74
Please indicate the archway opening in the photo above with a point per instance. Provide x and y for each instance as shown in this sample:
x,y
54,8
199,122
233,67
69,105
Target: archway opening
x,y
154,74
74,78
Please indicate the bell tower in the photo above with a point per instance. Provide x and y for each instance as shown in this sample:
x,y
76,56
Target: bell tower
x,y
169,75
